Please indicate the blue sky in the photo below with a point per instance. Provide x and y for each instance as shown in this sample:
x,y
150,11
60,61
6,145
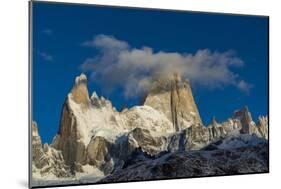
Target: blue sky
x,y
70,39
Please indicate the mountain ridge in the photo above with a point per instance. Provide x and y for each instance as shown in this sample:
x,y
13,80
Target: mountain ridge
x,y
95,139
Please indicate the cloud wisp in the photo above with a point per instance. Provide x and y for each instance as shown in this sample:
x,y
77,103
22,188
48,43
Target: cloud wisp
x,y
135,69
45,56
244,86
47,31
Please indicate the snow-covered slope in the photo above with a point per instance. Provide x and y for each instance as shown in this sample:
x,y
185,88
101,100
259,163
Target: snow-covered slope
x,y
242,140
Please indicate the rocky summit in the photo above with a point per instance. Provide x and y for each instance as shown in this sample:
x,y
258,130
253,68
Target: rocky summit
x,y
174,98
163,138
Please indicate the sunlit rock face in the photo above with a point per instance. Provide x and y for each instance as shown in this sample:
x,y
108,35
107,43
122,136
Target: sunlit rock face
x,y
262,125
174,98
79,92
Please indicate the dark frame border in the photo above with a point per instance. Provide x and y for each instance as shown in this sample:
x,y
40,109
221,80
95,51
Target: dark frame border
x,y
30,85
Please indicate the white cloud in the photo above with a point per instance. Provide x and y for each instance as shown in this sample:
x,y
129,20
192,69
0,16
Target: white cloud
x,y
106,42
135,69
244,86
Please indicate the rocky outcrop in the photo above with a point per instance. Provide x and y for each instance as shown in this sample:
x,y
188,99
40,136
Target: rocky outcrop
x,y
37,150
262,125
174,98
248,126
149,143
99,153
246,120
46,161
193,138
220,130
241,122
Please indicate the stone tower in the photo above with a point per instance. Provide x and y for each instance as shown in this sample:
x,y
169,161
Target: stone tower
x,y
174,98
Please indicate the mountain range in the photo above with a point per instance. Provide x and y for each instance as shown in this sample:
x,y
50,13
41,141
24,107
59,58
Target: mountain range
x,y
162,138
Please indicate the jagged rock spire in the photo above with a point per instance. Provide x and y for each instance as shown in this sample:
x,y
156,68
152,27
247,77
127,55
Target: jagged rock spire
x,y
37,151
174,98
79,90
46,159
214,121
67,140
246,119
262,125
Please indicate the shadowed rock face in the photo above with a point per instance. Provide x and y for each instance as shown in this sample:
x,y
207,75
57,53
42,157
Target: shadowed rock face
x,y
250,159
99,153
174,98
68,138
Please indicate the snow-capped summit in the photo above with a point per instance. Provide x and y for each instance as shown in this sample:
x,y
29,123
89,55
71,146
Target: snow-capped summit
x,y
82,78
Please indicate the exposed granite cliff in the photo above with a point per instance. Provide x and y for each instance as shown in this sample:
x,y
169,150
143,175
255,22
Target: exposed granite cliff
x,y
174,98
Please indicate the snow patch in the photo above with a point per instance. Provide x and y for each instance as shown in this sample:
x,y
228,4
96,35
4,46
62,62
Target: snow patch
x,y
242,140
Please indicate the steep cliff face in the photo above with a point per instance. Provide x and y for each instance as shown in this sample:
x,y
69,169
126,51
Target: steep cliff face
x,y
79,92
240,123
70,135
174,98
